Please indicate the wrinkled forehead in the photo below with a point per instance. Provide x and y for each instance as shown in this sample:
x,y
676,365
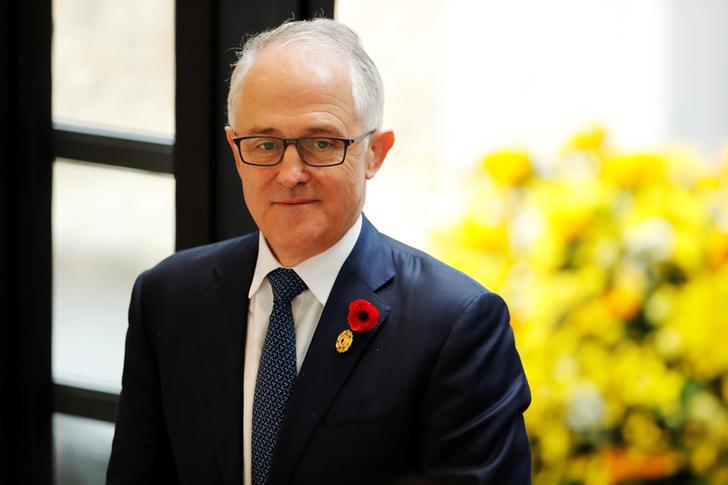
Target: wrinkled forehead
x,y
287,75
294,65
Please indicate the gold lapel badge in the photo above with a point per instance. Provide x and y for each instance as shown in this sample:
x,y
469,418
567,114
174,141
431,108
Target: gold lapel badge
x,y
344,340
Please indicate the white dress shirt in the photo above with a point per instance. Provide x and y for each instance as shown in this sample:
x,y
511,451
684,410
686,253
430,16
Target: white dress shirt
x,y
319,274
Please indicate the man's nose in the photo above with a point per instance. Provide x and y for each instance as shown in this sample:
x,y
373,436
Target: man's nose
x,y
292,171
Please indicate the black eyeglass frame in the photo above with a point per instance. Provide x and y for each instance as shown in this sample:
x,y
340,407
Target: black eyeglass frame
x,y
296,141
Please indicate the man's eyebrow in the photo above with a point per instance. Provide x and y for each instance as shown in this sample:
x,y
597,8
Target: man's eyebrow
x,y
263,131
323,130
313,130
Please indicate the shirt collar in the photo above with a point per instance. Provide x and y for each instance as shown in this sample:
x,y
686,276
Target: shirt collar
x,y
318,272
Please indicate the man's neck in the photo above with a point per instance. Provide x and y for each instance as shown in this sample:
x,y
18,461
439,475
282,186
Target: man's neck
x,y
290,257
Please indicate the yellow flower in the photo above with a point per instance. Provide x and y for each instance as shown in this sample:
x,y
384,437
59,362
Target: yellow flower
x,y
616,271
555,443
634,170
641,377
596,318
626,296
700,316
592,356
641,431
703,457
590,139
570,208
717,248
485,237
509,167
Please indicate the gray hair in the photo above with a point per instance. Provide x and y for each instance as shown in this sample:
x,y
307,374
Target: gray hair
x,y
367,88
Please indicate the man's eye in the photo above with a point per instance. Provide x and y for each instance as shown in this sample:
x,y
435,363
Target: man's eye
x,y
266,146
322,144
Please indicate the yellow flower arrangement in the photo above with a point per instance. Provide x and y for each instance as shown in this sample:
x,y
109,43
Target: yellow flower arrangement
x,y
615,266
508,167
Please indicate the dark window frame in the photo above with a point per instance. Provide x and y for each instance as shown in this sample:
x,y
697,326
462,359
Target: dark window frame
x,y
128,150
120,149
198,47
208,203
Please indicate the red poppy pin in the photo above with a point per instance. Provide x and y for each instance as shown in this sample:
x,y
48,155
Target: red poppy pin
x,y
363,316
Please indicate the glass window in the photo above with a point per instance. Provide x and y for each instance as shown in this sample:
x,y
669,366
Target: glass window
x,y
109,224
81,450
113,63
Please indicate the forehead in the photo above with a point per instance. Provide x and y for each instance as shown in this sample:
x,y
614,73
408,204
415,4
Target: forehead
x,y
296,82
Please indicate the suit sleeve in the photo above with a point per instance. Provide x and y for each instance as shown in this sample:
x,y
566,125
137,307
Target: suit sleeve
x,y
140,452
472,428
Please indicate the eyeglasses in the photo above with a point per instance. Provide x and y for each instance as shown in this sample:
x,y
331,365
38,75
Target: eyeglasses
x,y
316,151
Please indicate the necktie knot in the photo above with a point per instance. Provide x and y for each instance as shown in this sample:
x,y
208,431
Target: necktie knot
x,y
286,284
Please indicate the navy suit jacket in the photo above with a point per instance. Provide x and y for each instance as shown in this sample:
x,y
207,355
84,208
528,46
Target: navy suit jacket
x,y
435,393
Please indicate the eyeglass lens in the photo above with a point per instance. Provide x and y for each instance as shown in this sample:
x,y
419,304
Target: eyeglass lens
x,y
314,150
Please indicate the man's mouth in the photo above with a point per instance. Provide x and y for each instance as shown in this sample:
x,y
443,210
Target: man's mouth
x,y
295,202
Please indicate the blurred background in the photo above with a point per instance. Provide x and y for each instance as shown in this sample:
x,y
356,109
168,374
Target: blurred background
x,y
571,155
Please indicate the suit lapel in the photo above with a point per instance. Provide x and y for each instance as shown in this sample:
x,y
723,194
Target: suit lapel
x,y
324,370
222,320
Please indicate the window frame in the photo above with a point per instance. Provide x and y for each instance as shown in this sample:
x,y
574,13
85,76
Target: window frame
x,y
208,205
202,215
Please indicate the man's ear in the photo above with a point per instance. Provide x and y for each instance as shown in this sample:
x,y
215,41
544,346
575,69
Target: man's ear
x,y
379,145
230,134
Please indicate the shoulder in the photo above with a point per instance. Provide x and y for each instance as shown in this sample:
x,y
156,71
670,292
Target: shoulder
x,y
430,298
429,276
198,267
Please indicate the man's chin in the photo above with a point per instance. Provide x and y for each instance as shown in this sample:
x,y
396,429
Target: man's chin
x,y
303,242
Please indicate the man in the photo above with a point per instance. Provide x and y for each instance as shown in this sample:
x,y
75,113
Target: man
x,y
318,350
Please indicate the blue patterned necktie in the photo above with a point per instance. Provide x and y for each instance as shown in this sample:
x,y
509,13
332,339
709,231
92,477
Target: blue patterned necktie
x,y
276,373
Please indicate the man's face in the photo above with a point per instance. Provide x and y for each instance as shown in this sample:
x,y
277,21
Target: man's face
x,y
290,92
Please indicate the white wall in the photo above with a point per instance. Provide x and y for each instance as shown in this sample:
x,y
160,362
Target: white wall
x,y
463,78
